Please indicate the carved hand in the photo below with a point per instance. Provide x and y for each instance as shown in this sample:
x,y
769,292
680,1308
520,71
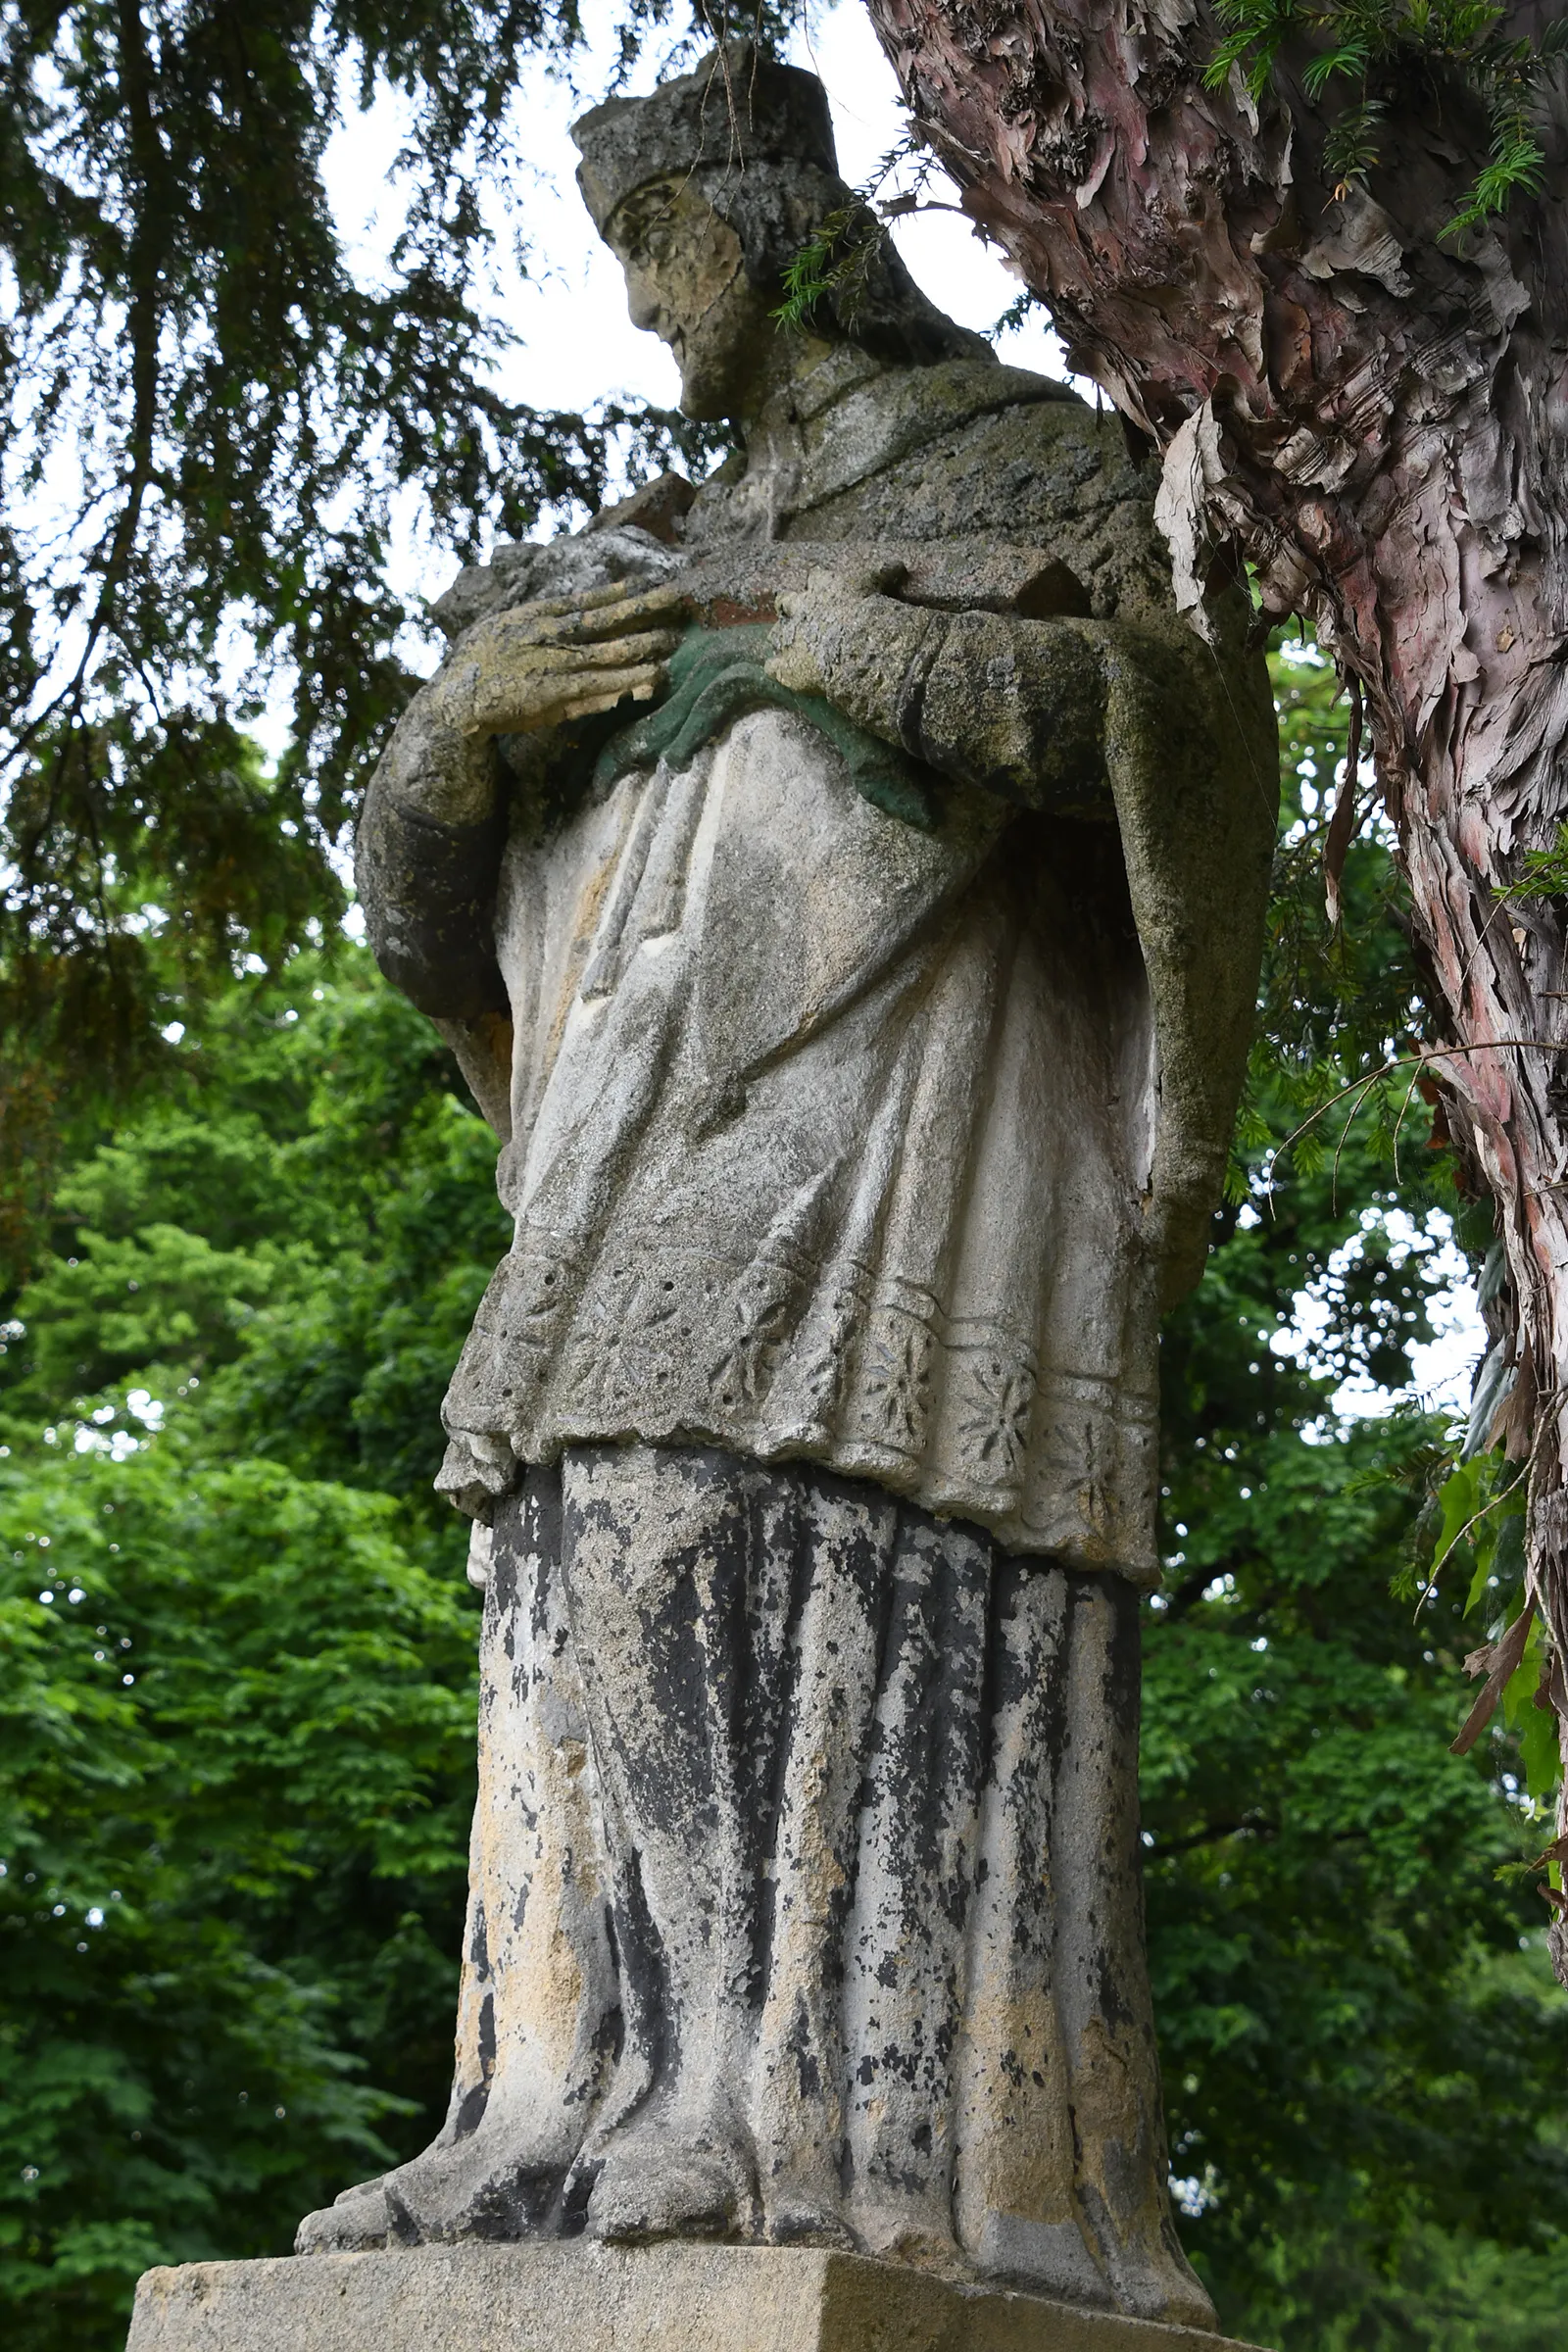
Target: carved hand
x,y
560,658
433,823
844,637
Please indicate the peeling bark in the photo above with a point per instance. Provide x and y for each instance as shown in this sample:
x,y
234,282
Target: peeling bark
x,y
1380,421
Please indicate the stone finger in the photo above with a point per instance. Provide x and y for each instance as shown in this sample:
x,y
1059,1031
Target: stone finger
x,y
567,607
649,645
638,685
550,702
620,618
527,629
559,663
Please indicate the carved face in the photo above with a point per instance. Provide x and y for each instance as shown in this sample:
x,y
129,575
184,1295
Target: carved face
x,y
686,281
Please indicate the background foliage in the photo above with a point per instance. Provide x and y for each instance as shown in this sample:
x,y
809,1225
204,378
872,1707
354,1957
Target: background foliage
x,y
1378,55
1364,2054
236,1720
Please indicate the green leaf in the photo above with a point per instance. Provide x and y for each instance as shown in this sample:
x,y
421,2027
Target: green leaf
x,y
1459,1497
1536,1727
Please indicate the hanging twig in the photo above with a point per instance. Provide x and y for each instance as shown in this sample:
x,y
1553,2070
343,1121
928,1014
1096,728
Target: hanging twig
x,y
1341,824
1362,1087
1455,1540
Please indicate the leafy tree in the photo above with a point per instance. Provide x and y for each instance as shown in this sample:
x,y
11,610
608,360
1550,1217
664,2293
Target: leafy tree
x,y
1363,2058
236,1715
235,1738
1363,2053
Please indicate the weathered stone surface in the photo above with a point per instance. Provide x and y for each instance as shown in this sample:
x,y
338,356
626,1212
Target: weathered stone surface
x,y
582,2298
796,1968
862,1026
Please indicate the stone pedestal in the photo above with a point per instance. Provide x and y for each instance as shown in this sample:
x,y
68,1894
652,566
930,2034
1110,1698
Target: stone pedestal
x,y
589,2298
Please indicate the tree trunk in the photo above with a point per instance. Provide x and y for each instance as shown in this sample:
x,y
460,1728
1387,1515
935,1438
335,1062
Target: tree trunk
x,y
1378,421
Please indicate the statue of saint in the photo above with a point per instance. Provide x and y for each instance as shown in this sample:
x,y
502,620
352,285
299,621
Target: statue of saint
x,y
843,885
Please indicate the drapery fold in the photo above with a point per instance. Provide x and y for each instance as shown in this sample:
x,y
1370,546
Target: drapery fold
x,y
819,1883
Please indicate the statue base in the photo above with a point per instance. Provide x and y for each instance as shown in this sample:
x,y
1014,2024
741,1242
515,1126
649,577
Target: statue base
x,y
582,2297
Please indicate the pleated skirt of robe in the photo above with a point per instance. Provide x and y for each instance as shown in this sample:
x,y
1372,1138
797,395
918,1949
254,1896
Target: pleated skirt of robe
x,y
808,1841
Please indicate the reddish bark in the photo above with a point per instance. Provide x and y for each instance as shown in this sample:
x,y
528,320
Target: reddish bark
x,y
1380,421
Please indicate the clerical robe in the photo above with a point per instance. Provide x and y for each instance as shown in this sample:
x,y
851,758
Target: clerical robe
x,y
831,1138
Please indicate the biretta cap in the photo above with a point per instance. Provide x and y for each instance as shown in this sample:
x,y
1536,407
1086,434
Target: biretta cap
x,y
739,107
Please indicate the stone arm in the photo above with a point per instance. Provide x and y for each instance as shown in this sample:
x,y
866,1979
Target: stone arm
x,y
436,815
1129,720
1009,706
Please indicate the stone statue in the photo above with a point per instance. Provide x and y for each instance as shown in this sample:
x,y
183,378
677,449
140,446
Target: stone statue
x,y
843,887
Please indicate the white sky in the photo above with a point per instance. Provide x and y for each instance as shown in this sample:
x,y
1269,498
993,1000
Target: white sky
x,y
1441,1368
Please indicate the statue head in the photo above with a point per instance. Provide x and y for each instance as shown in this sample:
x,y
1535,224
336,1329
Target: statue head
x,y
705,190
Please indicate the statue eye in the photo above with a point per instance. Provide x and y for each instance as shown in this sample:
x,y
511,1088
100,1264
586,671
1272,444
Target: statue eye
x,y
648,246
648,224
